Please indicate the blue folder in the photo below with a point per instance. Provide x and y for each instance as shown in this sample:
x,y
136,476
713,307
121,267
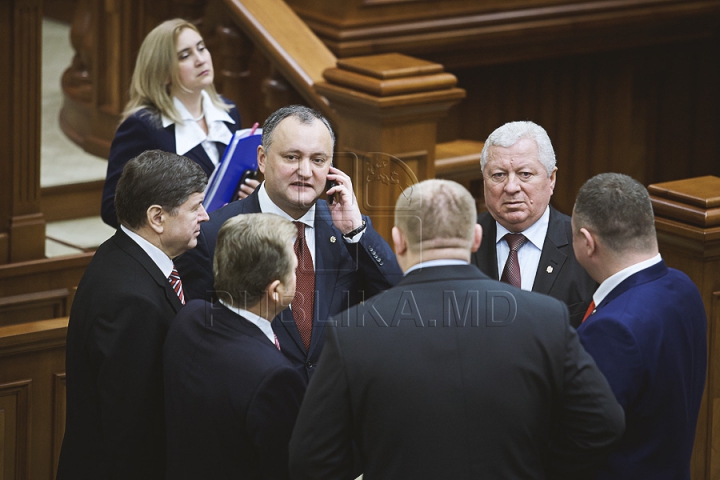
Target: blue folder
x,y
240,157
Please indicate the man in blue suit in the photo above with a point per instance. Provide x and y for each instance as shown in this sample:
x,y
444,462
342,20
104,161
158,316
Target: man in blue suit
x,y
343,260
646,329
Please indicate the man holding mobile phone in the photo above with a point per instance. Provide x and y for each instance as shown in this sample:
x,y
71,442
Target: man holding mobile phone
x,y
342,260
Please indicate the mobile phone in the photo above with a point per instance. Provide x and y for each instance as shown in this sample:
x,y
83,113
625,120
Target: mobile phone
x,y
328,185
246,174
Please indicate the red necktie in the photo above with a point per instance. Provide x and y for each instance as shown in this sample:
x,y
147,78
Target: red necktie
x,y
176,284
304,301
277,343
590,310
511,272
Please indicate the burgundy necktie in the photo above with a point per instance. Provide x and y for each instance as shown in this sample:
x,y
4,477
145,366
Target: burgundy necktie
x,y
304,301
176,284
511,272
590,311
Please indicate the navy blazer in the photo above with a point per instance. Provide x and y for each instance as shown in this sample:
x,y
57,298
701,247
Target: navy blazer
x,y
649,338
231,397
453,375
143,131
345,274
559,274
115,409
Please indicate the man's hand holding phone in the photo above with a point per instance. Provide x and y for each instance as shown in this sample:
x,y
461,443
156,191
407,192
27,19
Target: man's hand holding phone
x,y
343,206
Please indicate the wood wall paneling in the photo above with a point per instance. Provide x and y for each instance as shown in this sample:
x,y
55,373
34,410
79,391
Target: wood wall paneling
x,y
15,432
20,217
650,112
32,357
690,242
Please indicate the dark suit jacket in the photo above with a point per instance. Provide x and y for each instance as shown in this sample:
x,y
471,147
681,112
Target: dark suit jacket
x,y
345,274
568,281
115,415
138,133
231,397
648,336
453,375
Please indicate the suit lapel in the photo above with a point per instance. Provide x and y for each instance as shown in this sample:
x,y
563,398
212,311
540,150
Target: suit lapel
x,y
486,256
135,251
552,257
649,274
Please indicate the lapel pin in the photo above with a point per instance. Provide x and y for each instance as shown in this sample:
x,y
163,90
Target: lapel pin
x,y
549,269
333,239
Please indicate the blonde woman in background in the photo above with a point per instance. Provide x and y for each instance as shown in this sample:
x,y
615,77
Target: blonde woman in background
x,y
173,107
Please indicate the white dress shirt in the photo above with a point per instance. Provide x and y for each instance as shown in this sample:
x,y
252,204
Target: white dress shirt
x,y
164,263
441,262
189,134
264,325
614,280
528,254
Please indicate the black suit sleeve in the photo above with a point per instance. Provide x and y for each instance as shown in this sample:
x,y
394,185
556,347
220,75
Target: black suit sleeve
x,y
271,418
590,418
128,340
327,452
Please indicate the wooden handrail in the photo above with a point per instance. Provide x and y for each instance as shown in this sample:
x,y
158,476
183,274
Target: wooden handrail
x,y
288,43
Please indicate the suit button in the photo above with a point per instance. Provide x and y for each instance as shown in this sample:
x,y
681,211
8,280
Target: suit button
x,y
309,365
372,250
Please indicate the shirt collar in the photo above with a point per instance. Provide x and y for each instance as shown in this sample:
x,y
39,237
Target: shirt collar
x,y
188,135
614,280
268,206
441,262
164,263
264,325
536,233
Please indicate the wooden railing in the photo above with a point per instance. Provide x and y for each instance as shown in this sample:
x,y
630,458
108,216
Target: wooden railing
x,y
687,218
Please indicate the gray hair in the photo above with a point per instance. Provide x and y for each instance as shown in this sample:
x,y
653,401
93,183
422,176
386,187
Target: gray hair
x,y
252,251
618,210
509,134
304,115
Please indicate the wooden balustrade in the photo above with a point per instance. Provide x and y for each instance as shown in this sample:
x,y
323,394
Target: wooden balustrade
x,y
687,219
32,398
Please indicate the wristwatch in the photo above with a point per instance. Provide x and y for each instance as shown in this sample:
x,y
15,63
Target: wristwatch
x,y
352,233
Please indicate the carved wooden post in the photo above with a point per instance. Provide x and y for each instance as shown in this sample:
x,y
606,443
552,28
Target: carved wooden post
x,y
106,37
22,225
388,107
687,218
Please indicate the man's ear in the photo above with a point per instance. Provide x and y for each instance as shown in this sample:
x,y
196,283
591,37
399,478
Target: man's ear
x,y
590,243
477,239
553,177
261,157
156,218
273,291
399,241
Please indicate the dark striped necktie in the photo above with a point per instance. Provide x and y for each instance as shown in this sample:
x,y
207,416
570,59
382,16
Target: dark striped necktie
x,y
176,284
511,272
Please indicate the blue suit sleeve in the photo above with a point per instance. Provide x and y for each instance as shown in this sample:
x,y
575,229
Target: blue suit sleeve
x,y
376,262
616,352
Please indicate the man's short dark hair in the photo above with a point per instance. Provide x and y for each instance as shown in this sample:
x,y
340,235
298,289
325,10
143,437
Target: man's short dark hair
x,y
617,209
305,115
156,177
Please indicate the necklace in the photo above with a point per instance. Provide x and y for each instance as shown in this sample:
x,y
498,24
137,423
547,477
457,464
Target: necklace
x,y
197,119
